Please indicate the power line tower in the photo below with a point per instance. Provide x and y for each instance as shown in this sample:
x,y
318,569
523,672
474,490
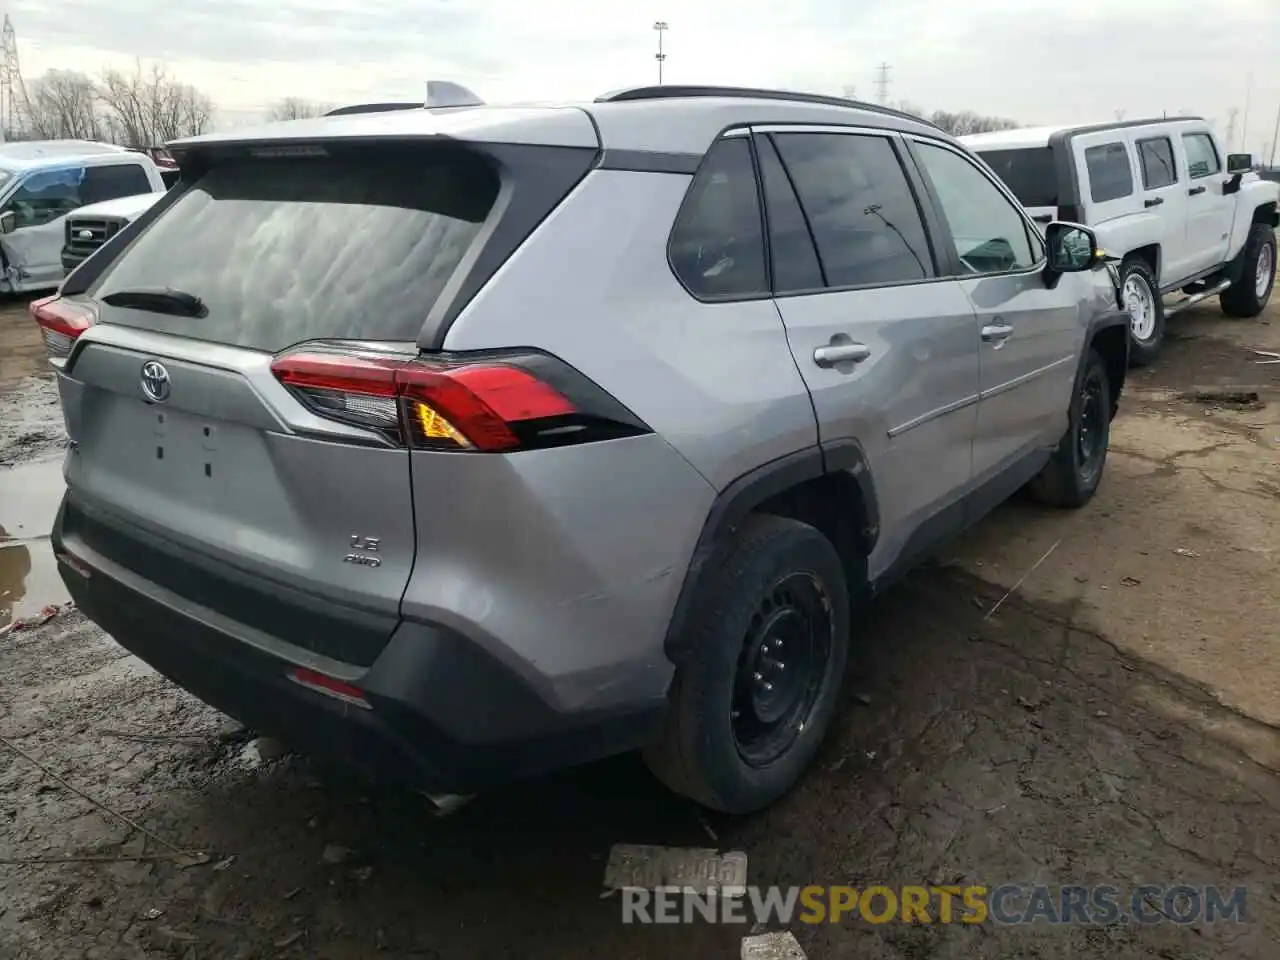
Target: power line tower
x,y
882,83
15,110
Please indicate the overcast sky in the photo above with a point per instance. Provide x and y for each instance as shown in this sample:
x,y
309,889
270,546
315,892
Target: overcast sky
x,y
1038,61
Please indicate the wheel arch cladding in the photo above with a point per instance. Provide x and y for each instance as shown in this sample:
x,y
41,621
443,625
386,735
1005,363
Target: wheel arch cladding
x,y
1267,213
830,488
1150,255
1110,337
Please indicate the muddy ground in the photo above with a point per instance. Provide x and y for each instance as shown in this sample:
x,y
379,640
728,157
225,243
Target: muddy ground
x,y
1113,722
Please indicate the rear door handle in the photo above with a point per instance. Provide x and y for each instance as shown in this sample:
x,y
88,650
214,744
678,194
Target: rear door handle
x,y
996,333
828,357
1153,202
1195,191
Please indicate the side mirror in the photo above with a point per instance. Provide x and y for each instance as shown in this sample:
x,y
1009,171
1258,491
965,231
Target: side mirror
x,y
8,222
1073,248
1239,162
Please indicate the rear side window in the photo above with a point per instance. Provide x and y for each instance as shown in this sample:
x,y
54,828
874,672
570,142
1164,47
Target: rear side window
x,y
1156,156
864,216
1029,172
1202,155
292,249
795,261
717,243
1110,175
110,183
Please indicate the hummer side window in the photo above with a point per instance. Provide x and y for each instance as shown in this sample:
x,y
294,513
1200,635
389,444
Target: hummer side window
x,y
1202,156
1110,173
717,244
1158,169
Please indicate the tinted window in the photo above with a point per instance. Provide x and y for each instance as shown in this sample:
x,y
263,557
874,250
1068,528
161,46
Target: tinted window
x,y
46,195
1110,176
795,262
717,244
1029,173
1202,156
990,232
109,183
284,250
1156,157
864,218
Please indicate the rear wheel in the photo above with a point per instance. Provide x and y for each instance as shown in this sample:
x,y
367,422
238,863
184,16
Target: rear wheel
x,y
767,649
1142,301
1071,476
1248,296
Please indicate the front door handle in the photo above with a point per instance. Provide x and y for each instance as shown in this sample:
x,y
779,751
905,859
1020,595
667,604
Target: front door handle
x,y
828,357
1153,202
1196,191
996,333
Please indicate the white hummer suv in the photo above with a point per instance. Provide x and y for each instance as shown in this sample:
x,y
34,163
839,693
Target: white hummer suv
x,y
1163,198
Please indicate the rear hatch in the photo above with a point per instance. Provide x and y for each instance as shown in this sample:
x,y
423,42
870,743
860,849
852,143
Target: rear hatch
x,y
283,504
1030,172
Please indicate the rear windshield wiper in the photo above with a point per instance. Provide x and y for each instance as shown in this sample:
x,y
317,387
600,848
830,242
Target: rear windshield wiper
x,y
179,303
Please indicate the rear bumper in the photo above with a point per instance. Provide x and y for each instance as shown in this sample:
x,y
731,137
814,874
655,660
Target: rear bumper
x,y
444,716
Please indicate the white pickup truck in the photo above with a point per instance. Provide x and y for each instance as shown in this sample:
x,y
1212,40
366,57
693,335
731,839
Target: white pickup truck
x,y
1164,198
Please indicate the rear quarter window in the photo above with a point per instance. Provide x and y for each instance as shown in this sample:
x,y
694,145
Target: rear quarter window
x,y
283,250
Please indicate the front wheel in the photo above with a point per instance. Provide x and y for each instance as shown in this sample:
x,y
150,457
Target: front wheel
x,y
1072,475
1142,301
1248,296
766,654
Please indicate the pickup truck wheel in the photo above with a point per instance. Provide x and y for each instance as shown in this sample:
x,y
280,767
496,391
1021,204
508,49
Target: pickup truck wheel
x,y
1071,476
767,646
1248,296
1145,307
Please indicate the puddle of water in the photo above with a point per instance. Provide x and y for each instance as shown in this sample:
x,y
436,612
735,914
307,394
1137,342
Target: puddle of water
x,y
29,496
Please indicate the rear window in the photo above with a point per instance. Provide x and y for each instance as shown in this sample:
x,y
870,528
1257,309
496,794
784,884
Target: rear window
x,y
283,250
1029,172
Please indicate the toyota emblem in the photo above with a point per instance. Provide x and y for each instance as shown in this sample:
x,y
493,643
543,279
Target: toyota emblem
x,y
155,381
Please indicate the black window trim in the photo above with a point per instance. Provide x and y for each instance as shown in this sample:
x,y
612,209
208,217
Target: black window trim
x,y
1123,143
1212,146
1035,240
804,215
929,220
1173,155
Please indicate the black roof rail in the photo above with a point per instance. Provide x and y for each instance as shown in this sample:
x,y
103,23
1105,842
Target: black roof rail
x,y
674,91
372,108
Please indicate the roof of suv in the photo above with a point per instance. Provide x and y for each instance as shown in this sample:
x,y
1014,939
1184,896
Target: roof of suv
x,y
681,120
1024,137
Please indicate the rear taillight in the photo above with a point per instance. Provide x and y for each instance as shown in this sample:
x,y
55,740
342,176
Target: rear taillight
x,y
495,404
61,321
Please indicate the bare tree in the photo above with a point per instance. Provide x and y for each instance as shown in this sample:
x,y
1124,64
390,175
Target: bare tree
x,y
146,108
961,123
295,108
64,105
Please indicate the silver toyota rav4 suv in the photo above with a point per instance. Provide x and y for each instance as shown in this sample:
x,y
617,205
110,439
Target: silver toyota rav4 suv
x,y
465,444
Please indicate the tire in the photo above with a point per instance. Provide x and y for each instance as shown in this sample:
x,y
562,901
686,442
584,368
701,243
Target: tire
x,y
1141,292
728,743
1071,477
1248,296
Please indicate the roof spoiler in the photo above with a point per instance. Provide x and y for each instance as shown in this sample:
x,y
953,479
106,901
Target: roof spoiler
x,y
441,95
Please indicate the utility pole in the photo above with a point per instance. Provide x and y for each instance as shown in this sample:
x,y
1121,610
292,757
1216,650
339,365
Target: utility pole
x,y
661,27
1232,115
1275,136
882,83
1244,125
